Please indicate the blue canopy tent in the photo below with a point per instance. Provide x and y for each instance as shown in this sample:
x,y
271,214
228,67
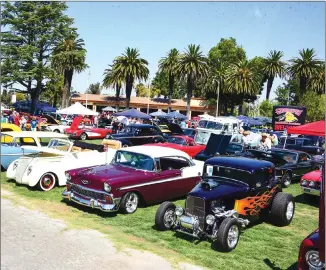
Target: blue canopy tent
x,y
41,107
158,114
176,115
133,113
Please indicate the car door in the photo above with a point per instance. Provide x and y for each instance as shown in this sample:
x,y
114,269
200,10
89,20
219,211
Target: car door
x,y
304,163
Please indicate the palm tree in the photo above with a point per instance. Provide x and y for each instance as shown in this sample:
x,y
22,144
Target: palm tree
x,y
273,67
317,82
193,65
131,67
69,56
304,67
169,64
242,79
114,79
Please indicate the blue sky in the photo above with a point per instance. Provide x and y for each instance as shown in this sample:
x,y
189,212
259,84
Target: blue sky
x,y
155,27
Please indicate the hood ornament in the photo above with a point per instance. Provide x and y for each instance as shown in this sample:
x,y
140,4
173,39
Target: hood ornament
x,y
85,182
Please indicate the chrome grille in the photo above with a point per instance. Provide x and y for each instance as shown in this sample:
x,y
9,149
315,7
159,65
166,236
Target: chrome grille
x,y
196,207
89,193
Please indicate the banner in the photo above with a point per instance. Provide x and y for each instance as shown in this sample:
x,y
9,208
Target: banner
x,y
286,116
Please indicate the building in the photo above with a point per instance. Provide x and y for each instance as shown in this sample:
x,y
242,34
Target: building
x,y
97,102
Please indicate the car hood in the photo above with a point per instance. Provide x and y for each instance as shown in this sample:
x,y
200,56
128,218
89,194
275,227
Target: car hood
x,y
217,144
175,128
219,188
312,176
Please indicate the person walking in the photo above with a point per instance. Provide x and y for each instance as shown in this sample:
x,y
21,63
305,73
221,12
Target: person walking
x,y
22,123
34,123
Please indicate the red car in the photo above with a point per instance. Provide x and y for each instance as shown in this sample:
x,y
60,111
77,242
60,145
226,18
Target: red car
x,y
183,143
310,183
85,132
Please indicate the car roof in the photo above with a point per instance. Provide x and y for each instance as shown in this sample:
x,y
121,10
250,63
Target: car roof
x,y
39,134
241,163
156,151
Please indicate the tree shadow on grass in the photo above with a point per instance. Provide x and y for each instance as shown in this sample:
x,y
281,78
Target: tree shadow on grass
x,y
311,200
273,266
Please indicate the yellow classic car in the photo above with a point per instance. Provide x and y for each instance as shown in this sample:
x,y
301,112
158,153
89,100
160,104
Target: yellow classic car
x,y
11,127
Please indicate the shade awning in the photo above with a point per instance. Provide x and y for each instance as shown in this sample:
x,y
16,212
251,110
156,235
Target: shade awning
x,y
176,115
158,113
313,129
133,113
77,109
109,109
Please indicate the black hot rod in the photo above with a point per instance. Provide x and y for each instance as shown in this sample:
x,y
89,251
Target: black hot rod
x,y
233,192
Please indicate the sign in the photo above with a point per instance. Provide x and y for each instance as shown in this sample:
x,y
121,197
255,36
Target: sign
x,y
286,116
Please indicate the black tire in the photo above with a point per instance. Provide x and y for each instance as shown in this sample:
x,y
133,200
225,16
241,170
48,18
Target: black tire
x,y
129,203
286,180
280,204
83,136
228,226
56,131
161,214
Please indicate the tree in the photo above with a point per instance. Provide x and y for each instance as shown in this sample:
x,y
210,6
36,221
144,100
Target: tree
x,y
304,67
143,91
315,105
35,28
193,65
317,82
266,108
287,93
94,88
273,67
115,79
169,64
131,67
53,89
69,57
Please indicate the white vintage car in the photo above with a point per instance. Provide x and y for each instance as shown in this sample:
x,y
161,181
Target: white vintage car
x,y
46,169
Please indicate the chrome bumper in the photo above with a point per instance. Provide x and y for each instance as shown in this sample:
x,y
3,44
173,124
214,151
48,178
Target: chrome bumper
x,y
71,196
311,191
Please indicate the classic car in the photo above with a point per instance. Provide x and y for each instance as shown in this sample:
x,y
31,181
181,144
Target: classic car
x,y
310,183
12,142
301,144
183,143
138,134
46,168
85,132
309,253
191,132
233,193
137,174
169,129
8,127
290,164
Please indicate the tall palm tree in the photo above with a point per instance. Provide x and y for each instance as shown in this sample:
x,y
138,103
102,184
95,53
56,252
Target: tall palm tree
x,y
242,79
273,67
193,65
304,67
317,82
132,67
69,57
169,64
114,79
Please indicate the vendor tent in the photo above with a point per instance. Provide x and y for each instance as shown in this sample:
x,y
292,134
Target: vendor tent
x,y
77,109
314,129
133,113
158,114
109,109
176,115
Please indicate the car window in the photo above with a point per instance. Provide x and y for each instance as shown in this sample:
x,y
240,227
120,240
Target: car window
x,y
290,141
153,131
173,163
307,142
134,160
299,142
303,157
177,140
23,142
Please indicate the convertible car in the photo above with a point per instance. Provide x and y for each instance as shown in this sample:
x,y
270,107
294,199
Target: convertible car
x,y
137,174
46,169
183,143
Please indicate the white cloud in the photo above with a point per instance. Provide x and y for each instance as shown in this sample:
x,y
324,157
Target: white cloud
x,y
258,13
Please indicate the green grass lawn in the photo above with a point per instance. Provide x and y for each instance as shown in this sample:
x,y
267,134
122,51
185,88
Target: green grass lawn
x,y
262,246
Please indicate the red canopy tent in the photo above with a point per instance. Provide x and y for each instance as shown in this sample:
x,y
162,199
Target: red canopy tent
x,y
314,129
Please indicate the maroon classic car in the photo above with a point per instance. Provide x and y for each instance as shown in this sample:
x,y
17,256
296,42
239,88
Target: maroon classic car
x,y
136,174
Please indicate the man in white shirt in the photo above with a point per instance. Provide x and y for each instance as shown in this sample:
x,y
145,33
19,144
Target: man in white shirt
x,y
265,143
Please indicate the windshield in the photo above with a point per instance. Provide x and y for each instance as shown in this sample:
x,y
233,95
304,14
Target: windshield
x,y
202,137
61,145
188,132
234,147
130,130
288,157
210,124
134,160
211,171
177,140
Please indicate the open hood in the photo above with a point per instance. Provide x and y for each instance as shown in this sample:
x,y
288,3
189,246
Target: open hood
x,y
217,143
175,128
76,122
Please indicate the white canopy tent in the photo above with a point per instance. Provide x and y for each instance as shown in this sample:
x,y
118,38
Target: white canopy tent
x,y
77,108
109,109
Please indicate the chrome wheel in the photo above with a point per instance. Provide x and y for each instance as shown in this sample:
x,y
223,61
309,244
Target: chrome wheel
x,y
289,210
132,203
169,218
47,182
83,136
233,236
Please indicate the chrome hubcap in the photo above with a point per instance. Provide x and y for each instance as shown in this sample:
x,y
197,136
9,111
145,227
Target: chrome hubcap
x,y
233,235
47,182
169,218
132,203
289,210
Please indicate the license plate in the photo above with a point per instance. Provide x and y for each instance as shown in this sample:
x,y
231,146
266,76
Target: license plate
x,y
306,190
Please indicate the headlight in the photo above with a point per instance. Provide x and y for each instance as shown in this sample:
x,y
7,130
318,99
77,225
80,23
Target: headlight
x,y
107,187
210,219
15,165
304,182
68,177
313,260
311,184
29,170
179,211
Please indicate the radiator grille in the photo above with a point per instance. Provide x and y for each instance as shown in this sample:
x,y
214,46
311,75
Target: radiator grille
x,y
196,207
93,194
